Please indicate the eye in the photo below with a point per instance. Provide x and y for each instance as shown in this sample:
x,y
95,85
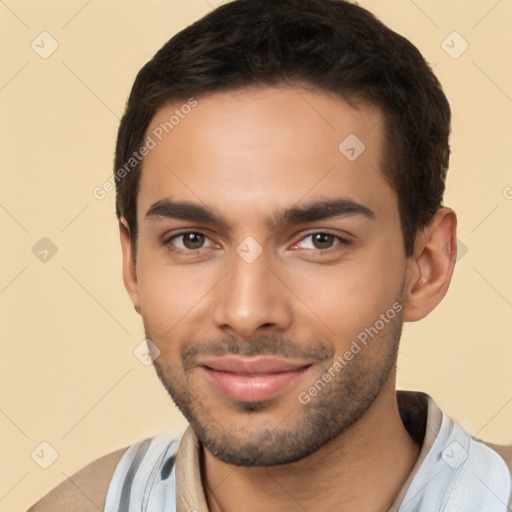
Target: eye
x,y
320,241
190,241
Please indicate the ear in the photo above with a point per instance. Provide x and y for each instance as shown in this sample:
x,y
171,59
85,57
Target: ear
x,y
430,269
129,265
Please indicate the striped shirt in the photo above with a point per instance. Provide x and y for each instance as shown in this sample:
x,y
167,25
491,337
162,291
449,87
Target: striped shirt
x,y
454,472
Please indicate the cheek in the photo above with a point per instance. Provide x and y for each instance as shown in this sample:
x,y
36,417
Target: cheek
x,y
378,289
344,299
171,297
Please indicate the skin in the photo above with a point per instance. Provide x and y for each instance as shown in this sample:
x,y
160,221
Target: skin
x,y
247,155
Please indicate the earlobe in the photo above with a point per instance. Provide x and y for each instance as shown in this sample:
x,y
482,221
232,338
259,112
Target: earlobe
x,y
129,266
431,268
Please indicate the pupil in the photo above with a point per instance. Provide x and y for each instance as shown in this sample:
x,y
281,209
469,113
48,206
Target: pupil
x,y
322,240
193,240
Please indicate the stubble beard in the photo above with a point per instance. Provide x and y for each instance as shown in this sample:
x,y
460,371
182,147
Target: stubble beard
x,y
336,407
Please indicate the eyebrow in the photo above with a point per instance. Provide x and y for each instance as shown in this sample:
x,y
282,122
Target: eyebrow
x,y
320,210
185,210
310,212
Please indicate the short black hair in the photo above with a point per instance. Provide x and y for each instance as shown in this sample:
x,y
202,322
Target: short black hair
x,y
330,45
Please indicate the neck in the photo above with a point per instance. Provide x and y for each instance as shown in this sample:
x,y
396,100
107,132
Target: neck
x,y
362,469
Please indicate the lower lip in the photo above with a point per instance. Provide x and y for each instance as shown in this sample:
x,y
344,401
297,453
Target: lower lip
x,y
255,388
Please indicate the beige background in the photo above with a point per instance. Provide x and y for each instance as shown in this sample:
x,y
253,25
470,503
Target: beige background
x,y
69,376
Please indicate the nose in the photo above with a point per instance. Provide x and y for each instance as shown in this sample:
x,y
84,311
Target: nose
x,y
251,299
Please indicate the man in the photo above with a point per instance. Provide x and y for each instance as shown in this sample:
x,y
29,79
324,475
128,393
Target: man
x,y
280,170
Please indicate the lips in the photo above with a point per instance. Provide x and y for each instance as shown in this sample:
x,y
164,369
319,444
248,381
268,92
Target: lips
x,y
252,379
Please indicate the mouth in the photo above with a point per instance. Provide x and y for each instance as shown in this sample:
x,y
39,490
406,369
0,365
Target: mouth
x,y
252,379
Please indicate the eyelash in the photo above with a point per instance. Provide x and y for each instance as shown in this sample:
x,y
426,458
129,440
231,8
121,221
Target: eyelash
x,y
340,240
168,241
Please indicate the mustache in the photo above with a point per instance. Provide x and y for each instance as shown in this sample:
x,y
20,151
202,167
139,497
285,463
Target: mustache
x,y
268,345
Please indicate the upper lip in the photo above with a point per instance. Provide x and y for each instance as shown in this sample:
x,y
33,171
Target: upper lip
x,y
252,365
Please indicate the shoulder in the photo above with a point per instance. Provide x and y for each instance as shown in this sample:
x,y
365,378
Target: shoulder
x,y
504,450
88,489
84,491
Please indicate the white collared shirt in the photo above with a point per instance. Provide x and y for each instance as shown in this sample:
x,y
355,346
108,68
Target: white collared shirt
x,y
454,472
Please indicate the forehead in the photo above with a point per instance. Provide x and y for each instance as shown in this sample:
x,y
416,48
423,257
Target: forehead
x,y
265,148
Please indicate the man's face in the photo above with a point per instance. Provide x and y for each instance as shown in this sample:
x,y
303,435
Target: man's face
x,y
253,287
